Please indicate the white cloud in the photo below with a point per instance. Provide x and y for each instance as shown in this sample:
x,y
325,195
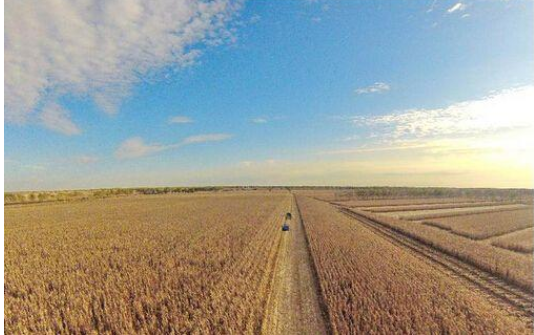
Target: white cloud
x,y
206,138
246,163
33,167
21,165
351,138
260,163
495,130
500,111
86,159
135,147
432,6
380,147
267,119
377,87
457,7
259,120
10,161
254,18
180,119
99,49
56,118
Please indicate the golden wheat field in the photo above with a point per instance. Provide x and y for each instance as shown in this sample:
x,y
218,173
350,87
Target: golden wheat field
x,y
218,262
372,287
164,264
506,264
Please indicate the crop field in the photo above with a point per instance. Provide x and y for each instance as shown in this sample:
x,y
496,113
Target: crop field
x,y
218,262
457,231
485,225
504,263
372,286
162,264
520,241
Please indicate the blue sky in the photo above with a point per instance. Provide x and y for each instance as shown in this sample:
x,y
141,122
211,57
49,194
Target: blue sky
x,y
413,93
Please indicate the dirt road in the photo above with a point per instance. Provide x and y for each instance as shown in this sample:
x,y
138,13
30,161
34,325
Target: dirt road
x,y
293,306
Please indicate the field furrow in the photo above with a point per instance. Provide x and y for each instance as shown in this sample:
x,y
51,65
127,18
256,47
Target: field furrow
x,y
486,225
406,208
401,202
520,241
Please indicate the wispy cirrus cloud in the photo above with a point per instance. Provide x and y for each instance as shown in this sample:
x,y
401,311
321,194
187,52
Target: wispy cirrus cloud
x,y
20,165
259,120
398,146
498,125
86,159
457,7
206,138
377,87
56,118
267,162
504,110
99,49
136,147
432,6
180,119
268,119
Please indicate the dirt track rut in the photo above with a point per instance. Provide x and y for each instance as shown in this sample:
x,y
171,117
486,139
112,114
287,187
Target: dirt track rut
x,y
293,305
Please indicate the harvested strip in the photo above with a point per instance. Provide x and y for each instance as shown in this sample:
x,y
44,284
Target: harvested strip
x,y
481,226
401,202
520,241
509,265
441,213
371,286
385,209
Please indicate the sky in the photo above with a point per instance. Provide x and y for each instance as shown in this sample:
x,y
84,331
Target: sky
x,y
128,93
